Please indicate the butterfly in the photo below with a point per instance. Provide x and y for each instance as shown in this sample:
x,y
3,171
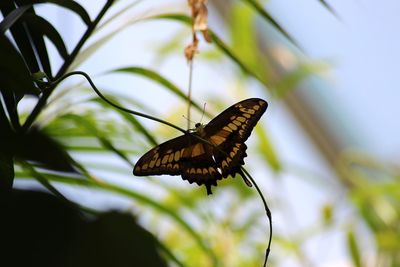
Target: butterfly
x,y
209,152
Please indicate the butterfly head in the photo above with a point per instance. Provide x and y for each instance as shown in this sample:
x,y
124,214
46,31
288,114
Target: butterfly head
x,y
199,129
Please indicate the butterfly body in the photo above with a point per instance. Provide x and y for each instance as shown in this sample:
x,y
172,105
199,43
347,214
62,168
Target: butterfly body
x,y
209,152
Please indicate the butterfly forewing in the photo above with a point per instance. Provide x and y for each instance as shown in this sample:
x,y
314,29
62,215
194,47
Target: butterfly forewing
x,y
229,130
206,162
165,158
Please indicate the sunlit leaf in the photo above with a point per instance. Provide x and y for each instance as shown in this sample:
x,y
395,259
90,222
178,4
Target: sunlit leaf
x,y
267,150
153,75
263,13
354,249
131,119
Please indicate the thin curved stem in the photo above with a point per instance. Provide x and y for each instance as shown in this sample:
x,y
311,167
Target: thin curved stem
x,y
190,92
267,211
113,104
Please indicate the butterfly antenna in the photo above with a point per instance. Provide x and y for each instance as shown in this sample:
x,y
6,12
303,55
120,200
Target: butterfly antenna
x,y
188,120
204,110
245,174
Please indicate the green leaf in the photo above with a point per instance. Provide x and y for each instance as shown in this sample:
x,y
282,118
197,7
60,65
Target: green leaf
x,y
40,26
267,150
37,146
12,17
91,49
141,198
6,171
353,249
152,75
218,42
15,75
116,239
329,7
20,34
257,6
106,142
290,80
131,119
71,5
74,7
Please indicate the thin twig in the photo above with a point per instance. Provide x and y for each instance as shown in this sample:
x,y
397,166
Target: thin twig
x,y
267,211
113,104
190,92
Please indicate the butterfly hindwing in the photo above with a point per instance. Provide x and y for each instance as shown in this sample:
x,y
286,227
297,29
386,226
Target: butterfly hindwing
x,y
206,162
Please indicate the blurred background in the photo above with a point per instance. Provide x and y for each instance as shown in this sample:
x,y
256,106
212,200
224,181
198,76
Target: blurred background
x,y
325,154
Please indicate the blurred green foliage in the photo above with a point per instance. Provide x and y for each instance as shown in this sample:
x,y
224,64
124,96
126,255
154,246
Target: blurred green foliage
x,y
68,137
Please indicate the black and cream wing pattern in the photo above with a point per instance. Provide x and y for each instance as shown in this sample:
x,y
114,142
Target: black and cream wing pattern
x,y
210,152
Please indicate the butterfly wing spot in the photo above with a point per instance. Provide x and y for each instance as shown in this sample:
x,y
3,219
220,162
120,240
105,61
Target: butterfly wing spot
x,y
237,123
246,115
211,170
235,150
232,118
226,128
152,163
232,154
248,110
199,171
145,166
241,119
164,159
176,166
158,162
169,166
205,171
192,171
228,159
137,169
171,157
177,155
232,126
198,150
217,139
256,107
224,164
